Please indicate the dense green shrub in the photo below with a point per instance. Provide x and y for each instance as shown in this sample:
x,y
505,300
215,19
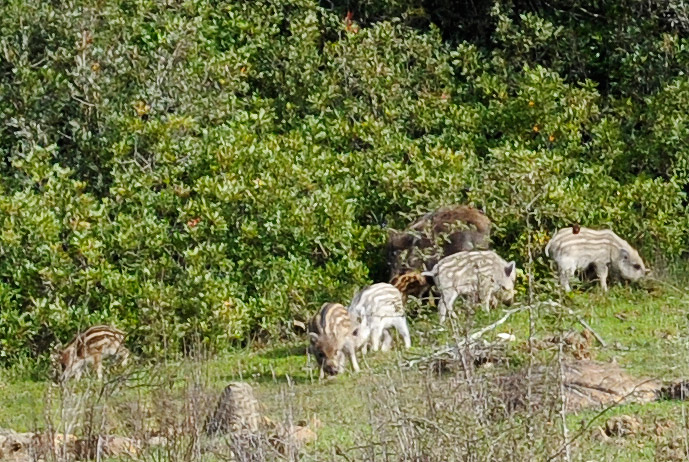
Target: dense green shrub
x,y
214,169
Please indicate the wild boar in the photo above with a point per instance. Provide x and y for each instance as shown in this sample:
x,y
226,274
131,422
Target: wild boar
x,y
378,308
332,334
481,274
412,283
89,348
436,235
578,248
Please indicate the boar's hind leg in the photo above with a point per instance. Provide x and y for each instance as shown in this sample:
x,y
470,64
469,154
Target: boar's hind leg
x,y
98,363
387,341
447,300
377,329
602,275
124,355
403,329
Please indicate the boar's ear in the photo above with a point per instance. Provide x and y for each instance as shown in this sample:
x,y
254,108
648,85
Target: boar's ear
x,y
428,277
313,337
624,254
399,240
509,269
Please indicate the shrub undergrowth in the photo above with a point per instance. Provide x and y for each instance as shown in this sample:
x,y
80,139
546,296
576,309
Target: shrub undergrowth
x,y
219,168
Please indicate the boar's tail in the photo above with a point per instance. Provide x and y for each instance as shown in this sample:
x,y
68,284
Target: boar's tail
x,y
547,248
429,274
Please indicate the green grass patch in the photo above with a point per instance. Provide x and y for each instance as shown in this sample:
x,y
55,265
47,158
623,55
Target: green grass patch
x,y
644,331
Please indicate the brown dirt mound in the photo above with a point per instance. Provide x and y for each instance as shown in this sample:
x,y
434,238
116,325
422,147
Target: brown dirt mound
x,y
586,384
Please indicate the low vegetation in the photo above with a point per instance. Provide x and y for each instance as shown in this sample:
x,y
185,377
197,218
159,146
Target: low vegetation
x,y
208,171
392,410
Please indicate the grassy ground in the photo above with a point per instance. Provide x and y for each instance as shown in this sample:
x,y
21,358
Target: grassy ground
x,y
391,411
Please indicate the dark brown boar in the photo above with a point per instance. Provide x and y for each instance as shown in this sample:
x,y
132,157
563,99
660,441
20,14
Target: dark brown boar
x,y
435,235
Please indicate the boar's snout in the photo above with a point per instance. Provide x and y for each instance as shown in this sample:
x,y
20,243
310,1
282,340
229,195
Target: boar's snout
x,y
631,266
331,368
507,296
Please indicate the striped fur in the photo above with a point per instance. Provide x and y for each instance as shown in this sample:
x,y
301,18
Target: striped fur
x,y
332,334
412,283
481,274
602,249
378,308
89,348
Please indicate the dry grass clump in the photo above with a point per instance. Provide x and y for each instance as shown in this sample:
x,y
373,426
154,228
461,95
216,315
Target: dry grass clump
x,y
170,412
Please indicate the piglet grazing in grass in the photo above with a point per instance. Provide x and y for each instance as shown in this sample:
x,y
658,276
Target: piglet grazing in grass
x,y
578,248
332,335
378,308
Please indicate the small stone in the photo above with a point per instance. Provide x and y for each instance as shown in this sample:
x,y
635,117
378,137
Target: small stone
x,y
623,425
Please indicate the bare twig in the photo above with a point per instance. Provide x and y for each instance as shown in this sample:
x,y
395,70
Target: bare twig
x,y
471,338
580,320
587,326
83,101
490,327
563,404
588,425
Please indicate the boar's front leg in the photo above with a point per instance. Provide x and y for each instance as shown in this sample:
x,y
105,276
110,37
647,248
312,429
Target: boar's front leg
x,y
351,351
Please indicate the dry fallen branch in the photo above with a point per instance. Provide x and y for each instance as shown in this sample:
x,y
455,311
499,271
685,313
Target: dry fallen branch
x,y
454,349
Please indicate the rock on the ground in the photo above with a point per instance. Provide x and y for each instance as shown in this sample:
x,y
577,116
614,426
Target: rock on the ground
x,y
238,411
622,425
238,415
15,446
574,343
30,447
110,446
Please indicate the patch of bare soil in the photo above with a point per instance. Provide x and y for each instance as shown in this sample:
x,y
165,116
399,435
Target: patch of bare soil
x,y
586,384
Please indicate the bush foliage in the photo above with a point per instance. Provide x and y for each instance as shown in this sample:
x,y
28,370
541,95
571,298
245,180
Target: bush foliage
x,y
217,168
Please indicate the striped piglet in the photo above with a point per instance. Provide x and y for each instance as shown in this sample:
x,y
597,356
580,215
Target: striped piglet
x,y
332,334
579,248
481,274
412,283
378,308
90,348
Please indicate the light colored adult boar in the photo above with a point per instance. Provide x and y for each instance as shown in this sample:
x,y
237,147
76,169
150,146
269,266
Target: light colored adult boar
x,y
378,308
480,274
578,248
332,334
